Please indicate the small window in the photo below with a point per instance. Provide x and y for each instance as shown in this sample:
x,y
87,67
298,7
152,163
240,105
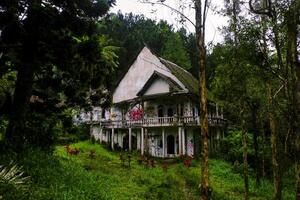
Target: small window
x,y
160,111
103,114
170,112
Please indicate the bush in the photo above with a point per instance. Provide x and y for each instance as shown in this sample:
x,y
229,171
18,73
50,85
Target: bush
x,y
171,187
12,182
232,147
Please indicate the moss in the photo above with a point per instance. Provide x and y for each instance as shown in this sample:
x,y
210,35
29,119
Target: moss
x,y
187,79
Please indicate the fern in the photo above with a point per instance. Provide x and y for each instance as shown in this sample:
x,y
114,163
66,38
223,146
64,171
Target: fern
x,y
12,175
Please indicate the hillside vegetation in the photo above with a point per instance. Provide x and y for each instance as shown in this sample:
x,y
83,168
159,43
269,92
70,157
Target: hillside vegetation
x,y
77,177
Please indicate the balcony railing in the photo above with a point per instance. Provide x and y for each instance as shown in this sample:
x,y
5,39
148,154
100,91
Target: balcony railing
x,y
160,121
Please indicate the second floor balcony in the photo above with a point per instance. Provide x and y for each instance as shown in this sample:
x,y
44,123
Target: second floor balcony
x,y
161,122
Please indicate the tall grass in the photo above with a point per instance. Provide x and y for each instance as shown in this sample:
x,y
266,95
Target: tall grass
x,y
60,176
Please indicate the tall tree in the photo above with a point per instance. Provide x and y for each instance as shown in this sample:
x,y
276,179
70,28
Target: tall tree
x,y
49,39
201,9
174,50
283,20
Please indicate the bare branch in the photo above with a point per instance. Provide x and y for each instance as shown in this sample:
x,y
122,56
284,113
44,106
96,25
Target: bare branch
x,y
160,2
277,91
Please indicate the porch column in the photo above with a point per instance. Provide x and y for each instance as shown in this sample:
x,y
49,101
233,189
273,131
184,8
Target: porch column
x,y
179,140
101,131
142,141
112,138
129,139
183,141
163,142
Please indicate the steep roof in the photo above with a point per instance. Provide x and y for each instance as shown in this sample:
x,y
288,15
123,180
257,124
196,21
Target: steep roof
x,y
186,78
136,80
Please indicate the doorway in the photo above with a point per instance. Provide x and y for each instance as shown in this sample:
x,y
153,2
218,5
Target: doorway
x,y
170,144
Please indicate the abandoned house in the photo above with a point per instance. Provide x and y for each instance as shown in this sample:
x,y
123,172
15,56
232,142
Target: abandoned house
x,y
156,110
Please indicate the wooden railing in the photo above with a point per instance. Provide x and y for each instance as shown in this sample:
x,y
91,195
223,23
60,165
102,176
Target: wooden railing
x,y
160,121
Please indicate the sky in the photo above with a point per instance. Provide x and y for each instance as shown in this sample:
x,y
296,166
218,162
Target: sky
x,y
214,21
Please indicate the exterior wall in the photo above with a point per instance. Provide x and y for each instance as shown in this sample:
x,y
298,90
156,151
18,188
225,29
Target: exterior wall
x,y
138,74
158,86
155,143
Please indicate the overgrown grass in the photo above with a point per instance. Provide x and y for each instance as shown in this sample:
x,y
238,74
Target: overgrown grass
x,y
65,177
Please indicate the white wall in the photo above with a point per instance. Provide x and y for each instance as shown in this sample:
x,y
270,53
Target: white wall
x,y
158,86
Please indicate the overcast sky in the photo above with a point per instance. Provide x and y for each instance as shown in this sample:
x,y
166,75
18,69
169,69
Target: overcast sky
x,y
214,21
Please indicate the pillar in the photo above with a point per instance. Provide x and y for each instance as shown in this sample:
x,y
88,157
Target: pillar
x,y
129,139
112,138
101,131
183,141
163,142
142,141
179,140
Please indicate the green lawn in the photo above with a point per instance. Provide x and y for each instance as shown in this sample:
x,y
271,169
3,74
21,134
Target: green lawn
x,y
65,177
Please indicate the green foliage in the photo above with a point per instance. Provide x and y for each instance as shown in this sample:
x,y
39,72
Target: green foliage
x,y
12,181
61,176
133,32
174,51
233,147
61,60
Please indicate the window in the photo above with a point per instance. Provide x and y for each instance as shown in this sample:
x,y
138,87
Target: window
x,y
170,112
160,111
103,114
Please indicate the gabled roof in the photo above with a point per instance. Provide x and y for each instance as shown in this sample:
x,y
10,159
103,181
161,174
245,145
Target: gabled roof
x,y
140,76
186,78
173,85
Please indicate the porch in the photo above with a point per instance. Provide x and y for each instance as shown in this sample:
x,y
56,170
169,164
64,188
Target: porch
x,y
161,122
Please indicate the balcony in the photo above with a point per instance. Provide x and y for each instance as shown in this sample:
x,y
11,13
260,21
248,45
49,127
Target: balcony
x,y
160,122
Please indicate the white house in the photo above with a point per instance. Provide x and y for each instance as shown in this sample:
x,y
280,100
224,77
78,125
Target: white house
x,y
155,110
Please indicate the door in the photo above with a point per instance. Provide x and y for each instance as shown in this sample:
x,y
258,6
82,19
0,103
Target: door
x,y
170,144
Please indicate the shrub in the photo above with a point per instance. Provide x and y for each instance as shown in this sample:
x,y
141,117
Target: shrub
x,y
12,182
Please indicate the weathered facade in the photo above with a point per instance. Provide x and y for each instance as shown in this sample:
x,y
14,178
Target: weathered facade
x,y
155,110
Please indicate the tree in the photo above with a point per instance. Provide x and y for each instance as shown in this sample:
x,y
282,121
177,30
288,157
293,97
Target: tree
x,y
53,46
201,9
174,50
282,17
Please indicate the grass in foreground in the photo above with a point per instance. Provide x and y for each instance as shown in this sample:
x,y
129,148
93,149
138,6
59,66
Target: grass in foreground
x,y
64,177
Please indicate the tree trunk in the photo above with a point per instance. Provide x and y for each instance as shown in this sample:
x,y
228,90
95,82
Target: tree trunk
x,y
255,144
245,155
205,189
15,133
275,154
263,168
292,23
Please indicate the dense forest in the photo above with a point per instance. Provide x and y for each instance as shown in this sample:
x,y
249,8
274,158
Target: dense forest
x,y
58,57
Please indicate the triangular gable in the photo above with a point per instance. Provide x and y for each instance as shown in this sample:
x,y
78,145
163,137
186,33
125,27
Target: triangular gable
x,y
156,76
138,75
